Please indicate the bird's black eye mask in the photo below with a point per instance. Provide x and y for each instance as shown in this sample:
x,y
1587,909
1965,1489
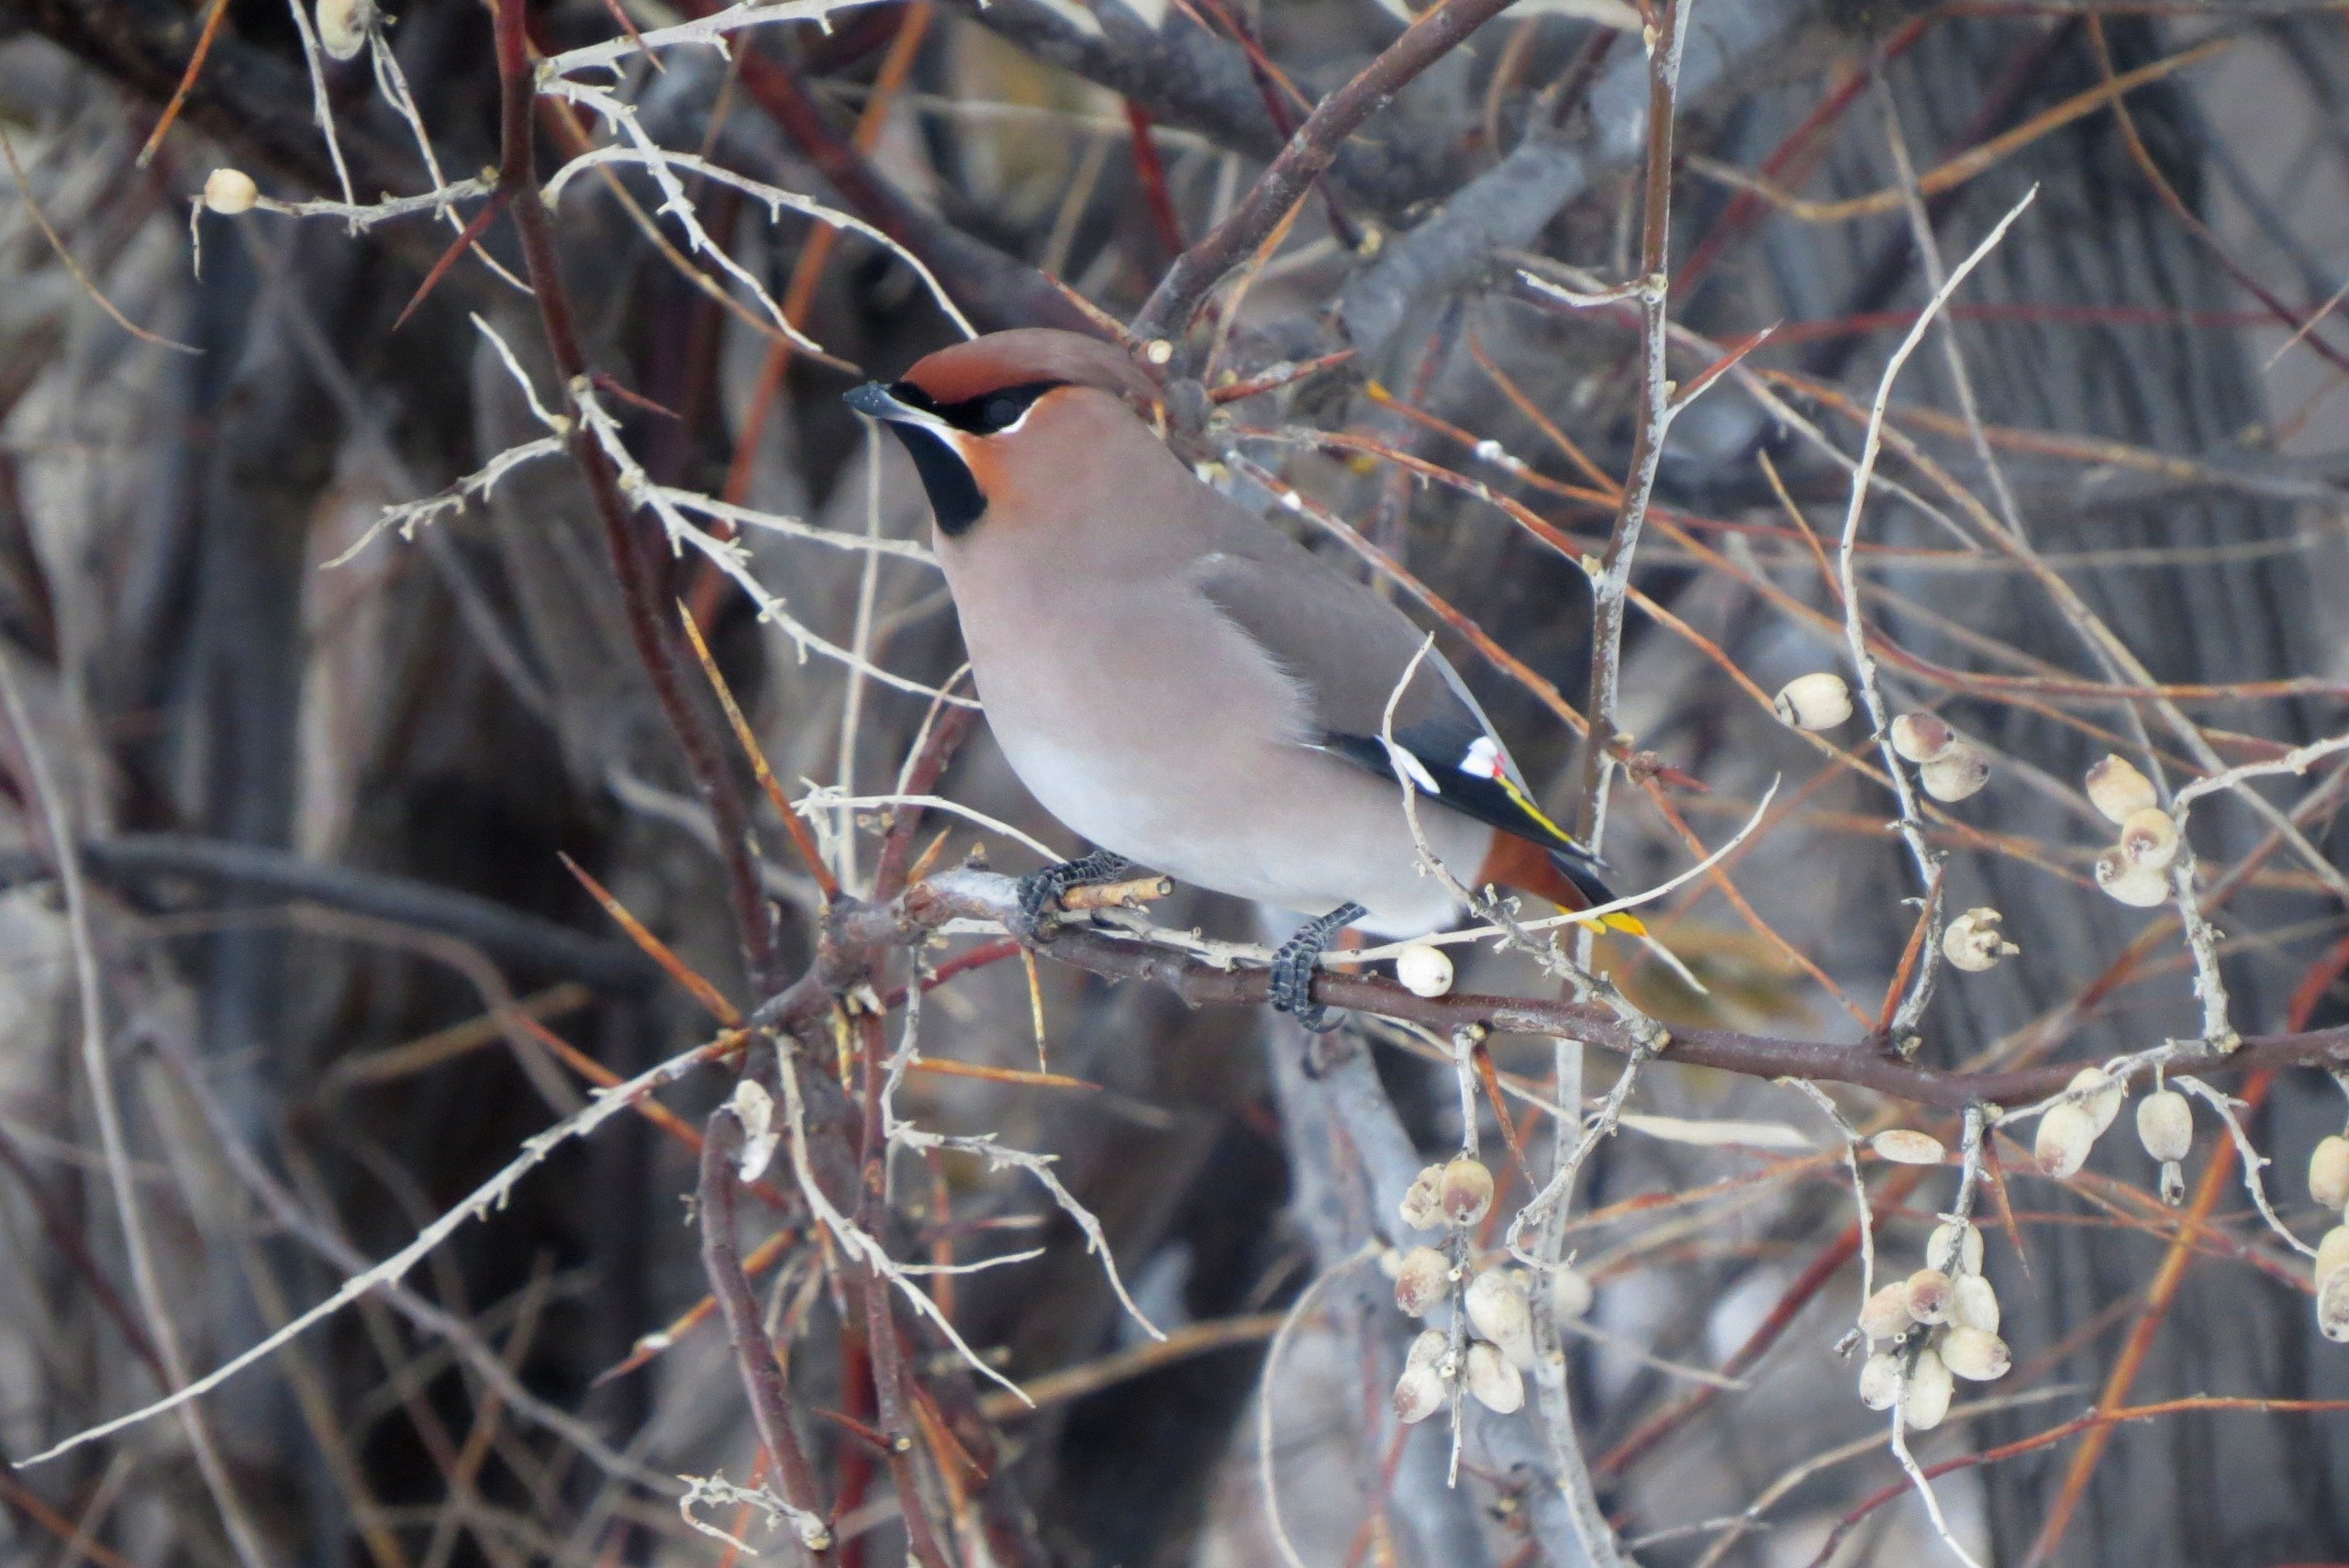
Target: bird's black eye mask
x,y
954,495
988,414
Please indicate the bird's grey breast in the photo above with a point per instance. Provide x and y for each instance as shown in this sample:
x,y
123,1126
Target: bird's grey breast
x,y
1128,703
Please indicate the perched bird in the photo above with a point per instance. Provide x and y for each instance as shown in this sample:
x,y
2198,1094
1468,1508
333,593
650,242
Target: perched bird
x,y
1187,688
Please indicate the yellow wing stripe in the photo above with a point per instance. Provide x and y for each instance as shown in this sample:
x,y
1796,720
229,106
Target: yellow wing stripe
x,y
1628,924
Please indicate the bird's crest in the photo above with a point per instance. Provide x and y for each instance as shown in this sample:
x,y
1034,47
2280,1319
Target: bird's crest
x,y
1025,358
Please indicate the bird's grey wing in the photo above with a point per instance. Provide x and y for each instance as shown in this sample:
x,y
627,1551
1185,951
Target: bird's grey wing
x,y
1348,649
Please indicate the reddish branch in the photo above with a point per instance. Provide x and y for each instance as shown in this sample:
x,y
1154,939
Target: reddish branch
x,y
859,933
763,1379
638,570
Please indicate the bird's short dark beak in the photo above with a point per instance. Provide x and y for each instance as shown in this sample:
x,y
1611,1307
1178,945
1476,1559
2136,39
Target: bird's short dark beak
x,y
875,402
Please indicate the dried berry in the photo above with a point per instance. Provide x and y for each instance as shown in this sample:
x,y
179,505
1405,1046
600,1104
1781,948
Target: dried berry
x,y
343,26
1497,1311
1423,1281
1467,1190
2331,1255
1885,1315
1975,1354
2149,840
1956,773
2118,789
1570,1294
2067,1133
1927,1294
1880,1380
1418,1394
1905,1146
1422,1206
2165,1125
1954,1246
1921,737
1974,942
2332,1307
229,192
1815,701
1973,1304
1925,1401
2138,886
1496,1384
2329,1172
1424,968
2100,1094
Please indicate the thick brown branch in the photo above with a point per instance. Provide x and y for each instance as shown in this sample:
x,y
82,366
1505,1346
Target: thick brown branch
x,y
863,929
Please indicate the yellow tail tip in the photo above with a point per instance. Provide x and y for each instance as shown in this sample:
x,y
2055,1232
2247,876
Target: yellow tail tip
x,y
1629,925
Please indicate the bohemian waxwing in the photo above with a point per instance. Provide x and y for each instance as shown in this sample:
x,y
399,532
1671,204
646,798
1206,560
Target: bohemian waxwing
x,y
1187,686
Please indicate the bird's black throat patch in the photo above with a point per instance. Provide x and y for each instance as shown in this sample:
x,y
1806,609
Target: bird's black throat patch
x,y
955,495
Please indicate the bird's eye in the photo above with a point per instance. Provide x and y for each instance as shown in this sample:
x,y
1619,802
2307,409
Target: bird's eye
x,y
993,413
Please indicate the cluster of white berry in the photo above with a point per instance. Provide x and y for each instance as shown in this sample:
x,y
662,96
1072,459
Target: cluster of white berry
x,y
2071,1127
1949,766
1938,1325
2329,1186
1490,1345
2135,869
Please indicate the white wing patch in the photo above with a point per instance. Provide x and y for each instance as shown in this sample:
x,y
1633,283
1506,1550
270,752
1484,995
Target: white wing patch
x,y
1483,758
1417,769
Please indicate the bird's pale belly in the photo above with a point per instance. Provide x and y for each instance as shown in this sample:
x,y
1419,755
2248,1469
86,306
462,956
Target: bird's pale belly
x,y
1152,725
1278,824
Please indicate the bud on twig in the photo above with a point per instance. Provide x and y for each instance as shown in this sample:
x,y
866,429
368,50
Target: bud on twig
x,y
1496,1384
1424,970
2165,1125
1815,701
1906,1146
1958,773
1926,1399
1423,1281
1974,942
1921,737
2119,790
2067,1133
1467,1190
229,192
2329,1172
1975,1354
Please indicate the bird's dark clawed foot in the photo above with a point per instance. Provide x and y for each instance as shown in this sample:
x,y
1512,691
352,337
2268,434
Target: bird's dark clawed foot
x,y
1039,891
1296,959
